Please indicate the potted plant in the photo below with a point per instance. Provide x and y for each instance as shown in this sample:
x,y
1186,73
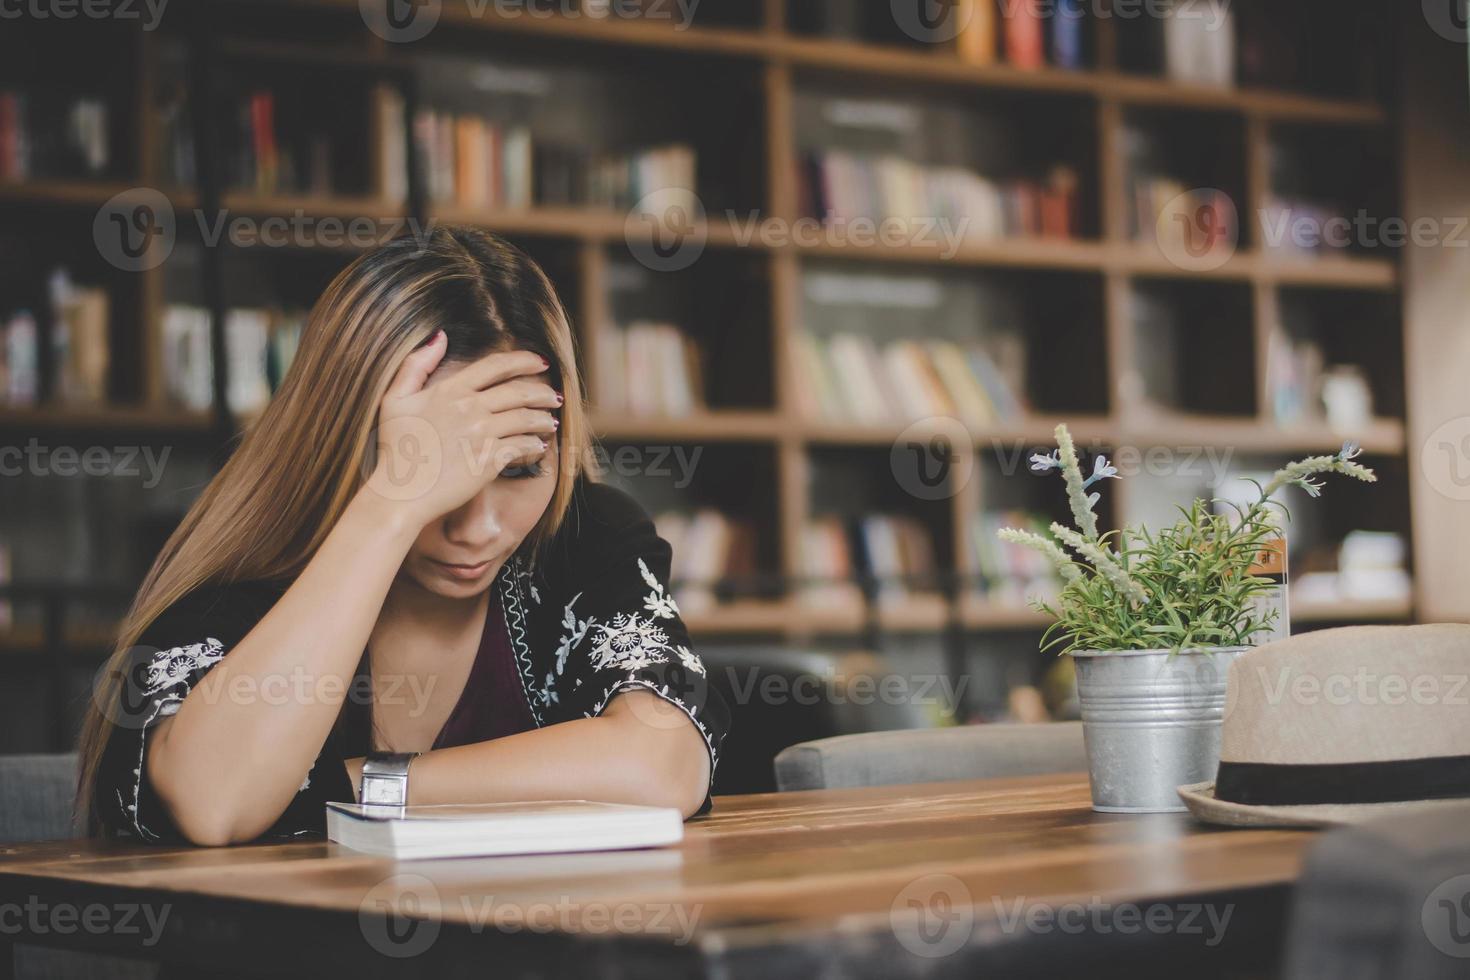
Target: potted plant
x,y
1152,621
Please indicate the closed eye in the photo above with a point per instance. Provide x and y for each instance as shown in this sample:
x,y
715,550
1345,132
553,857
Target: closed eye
x,y
523,471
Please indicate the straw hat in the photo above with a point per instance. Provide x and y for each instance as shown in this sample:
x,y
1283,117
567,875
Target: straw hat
x,y
1340,725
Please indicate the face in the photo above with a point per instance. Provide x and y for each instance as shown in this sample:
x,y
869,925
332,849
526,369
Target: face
x,y
459,555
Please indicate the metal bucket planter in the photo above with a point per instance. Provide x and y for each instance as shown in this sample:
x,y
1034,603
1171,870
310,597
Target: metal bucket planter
x,y
1151,721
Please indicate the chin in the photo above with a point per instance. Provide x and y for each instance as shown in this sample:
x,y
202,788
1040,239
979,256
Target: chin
x,y
431,578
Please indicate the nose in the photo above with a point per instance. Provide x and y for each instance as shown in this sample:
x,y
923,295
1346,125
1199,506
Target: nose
x,y
475,524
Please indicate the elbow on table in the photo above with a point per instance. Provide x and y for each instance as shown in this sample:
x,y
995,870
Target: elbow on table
x,y
202,817
204,823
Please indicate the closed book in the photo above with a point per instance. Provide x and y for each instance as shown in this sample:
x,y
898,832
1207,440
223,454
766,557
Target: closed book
x,y
1025,34
263,135
468,183
247,342
485,829
517,167
424,149
611,361
971,402
976,41
86,315
1066,34
392,145
1002,395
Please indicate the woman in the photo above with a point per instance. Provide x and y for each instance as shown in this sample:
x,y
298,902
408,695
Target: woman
x,y
403,556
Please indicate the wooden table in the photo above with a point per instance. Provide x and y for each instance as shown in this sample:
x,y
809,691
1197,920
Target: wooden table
x,y
995,878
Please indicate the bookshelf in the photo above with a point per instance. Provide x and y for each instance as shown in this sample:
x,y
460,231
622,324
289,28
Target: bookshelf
x,y
767,453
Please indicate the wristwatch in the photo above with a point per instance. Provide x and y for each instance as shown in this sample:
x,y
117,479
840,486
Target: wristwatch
x,y
385,778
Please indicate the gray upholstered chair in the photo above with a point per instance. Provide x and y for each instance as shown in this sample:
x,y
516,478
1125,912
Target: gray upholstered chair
x,y
1385,899
35,804
932,755
35,797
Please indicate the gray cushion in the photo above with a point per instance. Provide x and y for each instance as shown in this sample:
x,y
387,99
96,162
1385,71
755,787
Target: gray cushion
x,y
36,797
932,755
36,804
1381,901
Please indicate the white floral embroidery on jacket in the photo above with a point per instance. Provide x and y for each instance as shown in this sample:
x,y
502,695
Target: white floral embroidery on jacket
x,y
657,604
173,666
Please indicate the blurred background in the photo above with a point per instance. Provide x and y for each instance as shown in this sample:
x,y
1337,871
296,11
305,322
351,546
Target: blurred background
x,y
836,268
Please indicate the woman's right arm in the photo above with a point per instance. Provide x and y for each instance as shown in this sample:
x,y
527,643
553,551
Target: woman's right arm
x,y
229,761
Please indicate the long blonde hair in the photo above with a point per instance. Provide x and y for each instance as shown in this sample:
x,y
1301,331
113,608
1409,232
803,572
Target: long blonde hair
x,y
266,512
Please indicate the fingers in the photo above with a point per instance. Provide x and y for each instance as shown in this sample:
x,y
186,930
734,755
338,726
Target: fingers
x,y
519,393
414,372
517,421
492,369
519,451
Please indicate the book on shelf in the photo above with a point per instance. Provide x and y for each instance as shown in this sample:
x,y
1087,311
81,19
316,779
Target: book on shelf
x,y
173,122
648,369
77,327
392,145
247,352
1180,219
1298,228
476,162
828,572
1011,574
484,829
188,367
894,551
79,340
20,360
50,135
1026,34
1199,43
276,149
897,552
840,186
1294,370
852,379
710,548
260,344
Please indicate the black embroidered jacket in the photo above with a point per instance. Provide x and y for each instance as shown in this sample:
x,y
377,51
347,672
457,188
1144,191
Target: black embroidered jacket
x,y
593,617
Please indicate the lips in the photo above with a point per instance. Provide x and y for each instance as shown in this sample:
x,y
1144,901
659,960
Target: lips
x,y
460,571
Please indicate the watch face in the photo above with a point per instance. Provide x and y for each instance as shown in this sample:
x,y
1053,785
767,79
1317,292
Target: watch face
x,y
376,789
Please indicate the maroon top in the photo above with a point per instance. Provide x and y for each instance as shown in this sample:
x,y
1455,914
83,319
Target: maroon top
x,y
493,703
